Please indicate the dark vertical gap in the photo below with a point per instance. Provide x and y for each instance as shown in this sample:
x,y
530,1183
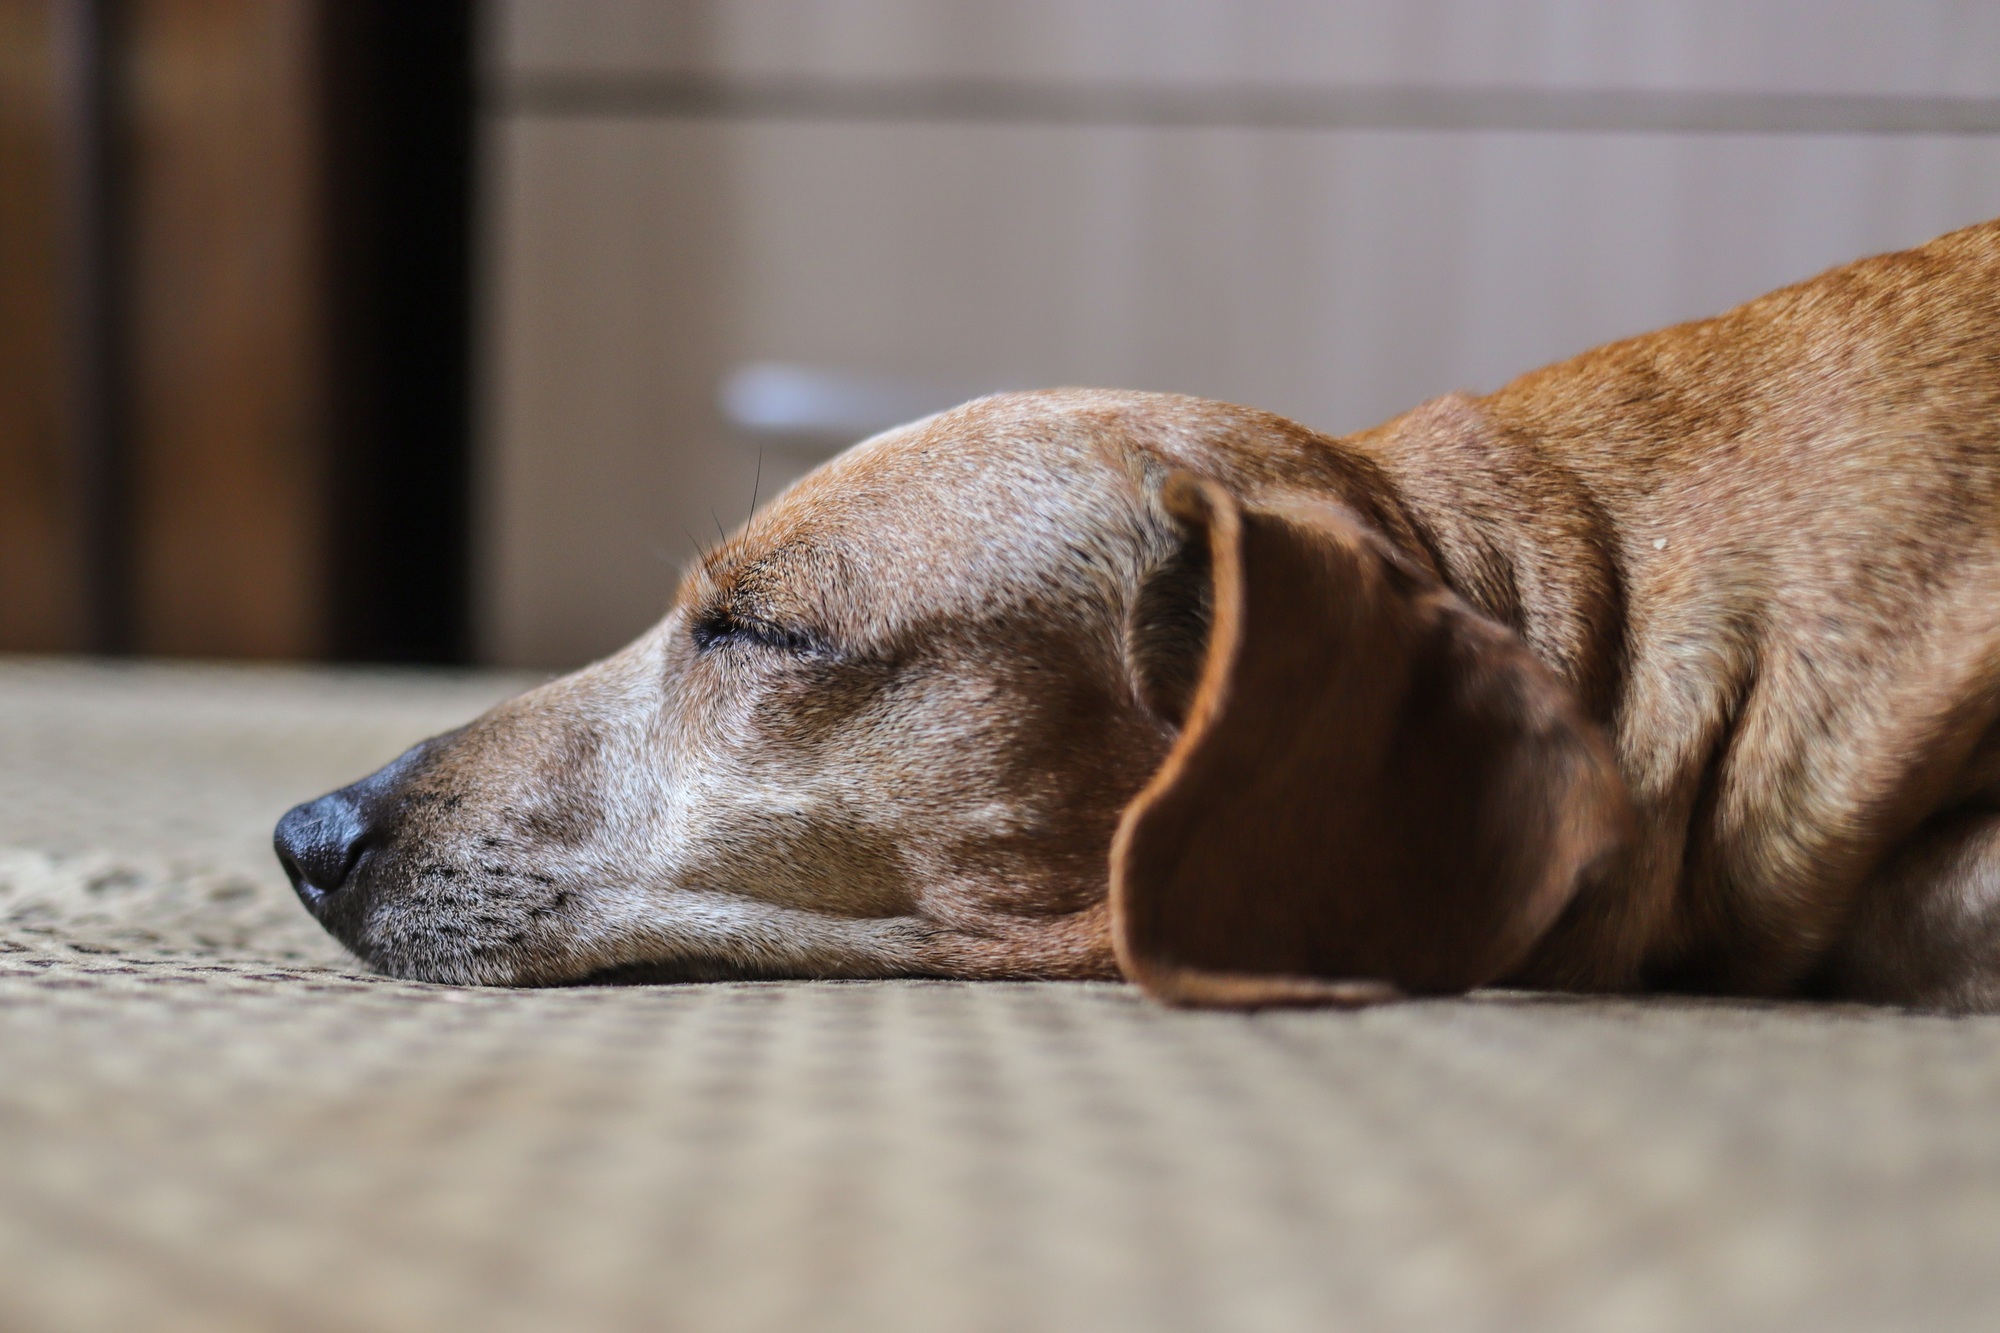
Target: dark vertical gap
x,y
399,80
100,411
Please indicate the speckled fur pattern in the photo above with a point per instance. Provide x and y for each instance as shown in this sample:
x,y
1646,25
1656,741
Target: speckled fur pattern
x,y
889,727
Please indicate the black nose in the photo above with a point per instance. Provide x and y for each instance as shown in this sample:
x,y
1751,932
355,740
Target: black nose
x,y
322,843
319,844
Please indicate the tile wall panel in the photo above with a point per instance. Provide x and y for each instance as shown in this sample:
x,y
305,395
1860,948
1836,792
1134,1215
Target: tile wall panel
x,y
1902,47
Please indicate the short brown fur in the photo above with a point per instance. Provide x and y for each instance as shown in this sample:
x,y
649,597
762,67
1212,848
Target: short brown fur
x,y
1697,638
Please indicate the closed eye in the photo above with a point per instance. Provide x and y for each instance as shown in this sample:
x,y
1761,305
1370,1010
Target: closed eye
x,y
721,628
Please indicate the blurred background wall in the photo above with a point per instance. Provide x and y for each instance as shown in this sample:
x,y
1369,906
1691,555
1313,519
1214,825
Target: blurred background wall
x,y
718,236
235,263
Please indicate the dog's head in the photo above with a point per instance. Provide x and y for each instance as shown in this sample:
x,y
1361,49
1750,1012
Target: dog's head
x,y
896,725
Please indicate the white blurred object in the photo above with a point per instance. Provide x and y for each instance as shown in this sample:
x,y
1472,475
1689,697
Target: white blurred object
x,y
810,406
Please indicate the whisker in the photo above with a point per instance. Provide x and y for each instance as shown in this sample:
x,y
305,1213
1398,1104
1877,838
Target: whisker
x,y
700,551
756,484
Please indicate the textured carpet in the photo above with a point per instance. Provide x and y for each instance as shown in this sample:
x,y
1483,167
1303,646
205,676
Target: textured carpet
x,y
211,1119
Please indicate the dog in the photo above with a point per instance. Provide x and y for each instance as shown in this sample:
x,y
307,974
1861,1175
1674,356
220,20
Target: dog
x,y
1674,666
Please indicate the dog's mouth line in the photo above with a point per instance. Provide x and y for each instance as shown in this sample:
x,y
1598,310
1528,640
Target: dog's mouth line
x,y
659,972
672,972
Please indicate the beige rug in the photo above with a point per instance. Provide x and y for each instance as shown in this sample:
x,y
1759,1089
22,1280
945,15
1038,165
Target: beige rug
x,y
210,1119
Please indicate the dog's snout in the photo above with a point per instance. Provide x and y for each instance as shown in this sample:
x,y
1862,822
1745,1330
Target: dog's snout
x,y
322,843
319,844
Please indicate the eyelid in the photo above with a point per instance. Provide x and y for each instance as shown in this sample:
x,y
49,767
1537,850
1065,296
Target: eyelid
x,y
721,626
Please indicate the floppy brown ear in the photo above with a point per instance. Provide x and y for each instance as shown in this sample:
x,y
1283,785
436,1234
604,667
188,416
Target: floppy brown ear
x,y
1376,790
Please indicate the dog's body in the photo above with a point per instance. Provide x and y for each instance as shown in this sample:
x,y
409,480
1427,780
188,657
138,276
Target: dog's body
x,y
1764,550
1674,665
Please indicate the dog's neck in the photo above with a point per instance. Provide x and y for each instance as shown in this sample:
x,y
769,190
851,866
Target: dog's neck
x,y
1504,526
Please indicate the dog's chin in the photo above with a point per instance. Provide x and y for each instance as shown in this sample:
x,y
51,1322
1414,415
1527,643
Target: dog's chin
x,y
485,971
447,958
453,968
676,972
482,968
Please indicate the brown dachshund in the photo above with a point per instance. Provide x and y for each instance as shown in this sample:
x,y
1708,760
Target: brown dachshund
x,y
1674,666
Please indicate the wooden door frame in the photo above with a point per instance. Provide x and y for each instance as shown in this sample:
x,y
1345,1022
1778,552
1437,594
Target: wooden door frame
x,y
234,327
